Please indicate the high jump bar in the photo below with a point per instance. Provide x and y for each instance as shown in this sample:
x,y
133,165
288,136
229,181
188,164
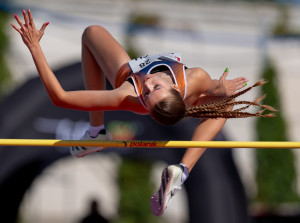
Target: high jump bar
x,y
150,144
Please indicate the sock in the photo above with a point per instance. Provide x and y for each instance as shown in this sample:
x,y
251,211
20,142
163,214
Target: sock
x,y
94,130
185,173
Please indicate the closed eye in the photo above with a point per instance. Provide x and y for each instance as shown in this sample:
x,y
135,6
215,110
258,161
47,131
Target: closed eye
x,y
157,87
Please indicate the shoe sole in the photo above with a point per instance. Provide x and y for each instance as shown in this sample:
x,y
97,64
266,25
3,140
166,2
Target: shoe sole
x,y
94,150
163,193
88,151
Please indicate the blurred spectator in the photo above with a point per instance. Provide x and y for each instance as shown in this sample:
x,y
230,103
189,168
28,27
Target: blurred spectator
x,y
94,216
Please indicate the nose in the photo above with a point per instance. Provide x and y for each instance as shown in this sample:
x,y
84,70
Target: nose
x,y
147,77
146,82
146,85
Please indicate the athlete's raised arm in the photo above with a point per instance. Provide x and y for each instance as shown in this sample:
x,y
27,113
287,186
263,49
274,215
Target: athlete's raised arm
x,y
80,100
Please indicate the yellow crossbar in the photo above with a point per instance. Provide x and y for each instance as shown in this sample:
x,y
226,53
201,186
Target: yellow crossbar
x,y
150,144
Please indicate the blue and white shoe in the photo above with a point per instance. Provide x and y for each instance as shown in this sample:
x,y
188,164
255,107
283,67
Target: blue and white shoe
x,y
171,181
80,151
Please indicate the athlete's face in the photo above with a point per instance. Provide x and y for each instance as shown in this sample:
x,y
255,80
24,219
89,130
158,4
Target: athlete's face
x,y
156,88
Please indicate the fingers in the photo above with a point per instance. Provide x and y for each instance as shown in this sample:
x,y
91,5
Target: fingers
x,y
226,72
31,22
25,18
28,19
44,27
240,86
241,82
16,28
19,22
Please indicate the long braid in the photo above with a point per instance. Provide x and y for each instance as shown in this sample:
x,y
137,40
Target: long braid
x,y
230,98
217,109
255,103
229,114
223,106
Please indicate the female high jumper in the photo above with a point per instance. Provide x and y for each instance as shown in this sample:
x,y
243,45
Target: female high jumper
x,y
156,85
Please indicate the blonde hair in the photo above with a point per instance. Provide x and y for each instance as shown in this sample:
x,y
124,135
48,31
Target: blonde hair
x,y
172,109
169,110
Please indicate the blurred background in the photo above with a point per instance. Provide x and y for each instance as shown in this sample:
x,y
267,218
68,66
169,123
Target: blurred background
x,y
254,39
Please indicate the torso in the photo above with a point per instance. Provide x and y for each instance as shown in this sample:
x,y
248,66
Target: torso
x,y
190,81
132,101
173,69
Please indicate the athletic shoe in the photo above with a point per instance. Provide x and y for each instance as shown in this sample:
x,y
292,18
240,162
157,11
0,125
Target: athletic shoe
x,y
171,181
80,151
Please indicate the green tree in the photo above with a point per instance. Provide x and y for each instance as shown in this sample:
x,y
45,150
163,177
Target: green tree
x,y
276,173
135,187
4,72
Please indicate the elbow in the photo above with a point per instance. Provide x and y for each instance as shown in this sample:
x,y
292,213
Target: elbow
x,y
58,99
57,103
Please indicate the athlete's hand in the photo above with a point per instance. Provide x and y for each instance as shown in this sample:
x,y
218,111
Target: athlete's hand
x,y
30,35
232,86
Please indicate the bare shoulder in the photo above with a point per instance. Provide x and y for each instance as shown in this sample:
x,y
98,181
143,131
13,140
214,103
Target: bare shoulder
x,y
198,79
195,74
198,82
128,99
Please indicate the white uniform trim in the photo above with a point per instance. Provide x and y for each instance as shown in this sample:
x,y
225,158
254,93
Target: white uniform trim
x,y
140,63
137,92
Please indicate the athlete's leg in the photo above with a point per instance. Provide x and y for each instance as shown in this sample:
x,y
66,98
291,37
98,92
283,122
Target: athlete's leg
x,y
94,79
102,56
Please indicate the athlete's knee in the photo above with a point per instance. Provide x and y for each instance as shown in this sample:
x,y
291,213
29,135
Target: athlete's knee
x,y
92,32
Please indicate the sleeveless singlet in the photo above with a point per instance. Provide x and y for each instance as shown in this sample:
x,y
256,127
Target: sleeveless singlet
x,y
177,70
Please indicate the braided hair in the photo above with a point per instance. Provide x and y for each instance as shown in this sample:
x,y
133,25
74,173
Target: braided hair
x,y
172,109
218,108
